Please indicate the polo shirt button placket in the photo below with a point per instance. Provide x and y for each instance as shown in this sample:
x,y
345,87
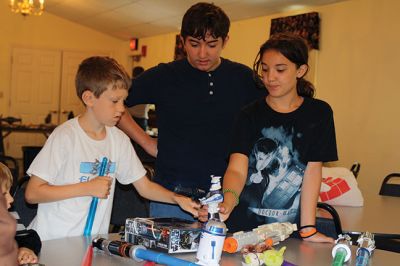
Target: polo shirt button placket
x,y
211,84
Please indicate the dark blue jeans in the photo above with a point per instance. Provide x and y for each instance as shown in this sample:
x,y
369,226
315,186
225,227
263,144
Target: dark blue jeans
x,y
158,209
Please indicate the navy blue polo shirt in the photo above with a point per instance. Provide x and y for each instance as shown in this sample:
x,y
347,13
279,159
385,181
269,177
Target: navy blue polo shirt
x,y
195,112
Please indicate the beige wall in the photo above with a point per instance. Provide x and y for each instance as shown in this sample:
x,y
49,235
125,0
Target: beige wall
x,y
48,32
160,49
356,69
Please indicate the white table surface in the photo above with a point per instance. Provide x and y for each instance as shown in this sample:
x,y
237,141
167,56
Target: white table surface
x,y
380,214
70,251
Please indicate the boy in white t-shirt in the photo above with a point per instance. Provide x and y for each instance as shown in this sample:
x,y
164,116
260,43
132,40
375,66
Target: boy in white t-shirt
x,y
65,174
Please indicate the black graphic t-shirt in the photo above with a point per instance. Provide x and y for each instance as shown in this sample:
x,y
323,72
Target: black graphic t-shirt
x,y
279,146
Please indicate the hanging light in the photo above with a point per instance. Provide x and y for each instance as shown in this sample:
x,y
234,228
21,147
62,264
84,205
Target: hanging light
x,y
27,7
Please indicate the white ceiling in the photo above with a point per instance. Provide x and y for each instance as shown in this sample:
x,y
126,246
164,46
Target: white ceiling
x,y
126,19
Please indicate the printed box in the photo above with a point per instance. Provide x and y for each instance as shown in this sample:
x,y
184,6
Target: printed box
x,y
170,235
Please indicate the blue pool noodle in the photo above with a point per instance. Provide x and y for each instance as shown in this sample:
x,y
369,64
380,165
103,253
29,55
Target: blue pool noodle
x,y
93,204
161,258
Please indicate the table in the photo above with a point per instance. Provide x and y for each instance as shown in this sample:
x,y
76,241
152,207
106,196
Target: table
x,y
45,129
380,214
70,251
7,129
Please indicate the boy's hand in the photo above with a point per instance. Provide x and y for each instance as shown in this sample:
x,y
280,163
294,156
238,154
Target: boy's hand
x,y
100,186
203,213
188,204
25,255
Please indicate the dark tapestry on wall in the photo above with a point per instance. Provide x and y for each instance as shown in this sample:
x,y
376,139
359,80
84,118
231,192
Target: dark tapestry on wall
x,y
304,25
179,49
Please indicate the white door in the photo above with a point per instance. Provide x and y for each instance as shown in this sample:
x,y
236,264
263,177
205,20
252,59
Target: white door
x,y
35,91
69,101
42,82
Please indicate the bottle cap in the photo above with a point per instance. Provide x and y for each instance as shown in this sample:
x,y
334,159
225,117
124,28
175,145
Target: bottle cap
x,y
230,245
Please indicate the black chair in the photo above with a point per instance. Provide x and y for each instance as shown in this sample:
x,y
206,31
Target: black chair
x,y
355,169
388,242
331,227
29,153
25,210
12,164
128,203
390,189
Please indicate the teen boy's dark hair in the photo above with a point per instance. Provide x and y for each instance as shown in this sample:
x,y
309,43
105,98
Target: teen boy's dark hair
x,y
202,18
97,73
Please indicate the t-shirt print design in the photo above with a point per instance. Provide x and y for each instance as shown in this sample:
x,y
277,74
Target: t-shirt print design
x,y
90,170
274,164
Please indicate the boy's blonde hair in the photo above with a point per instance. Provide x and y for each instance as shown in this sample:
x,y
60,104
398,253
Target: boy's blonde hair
x,y
97,73
6,178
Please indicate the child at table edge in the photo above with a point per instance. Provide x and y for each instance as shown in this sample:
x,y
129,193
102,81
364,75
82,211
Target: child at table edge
x,y
29,244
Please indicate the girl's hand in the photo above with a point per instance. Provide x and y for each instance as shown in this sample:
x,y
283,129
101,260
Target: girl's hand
x,y
25,255
187,204
319,238
225,210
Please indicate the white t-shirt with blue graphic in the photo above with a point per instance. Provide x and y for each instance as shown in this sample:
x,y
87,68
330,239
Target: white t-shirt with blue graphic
x,y
71,156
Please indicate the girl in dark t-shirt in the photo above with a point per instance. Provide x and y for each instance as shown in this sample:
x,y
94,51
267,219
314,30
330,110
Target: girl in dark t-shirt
x,y
279,145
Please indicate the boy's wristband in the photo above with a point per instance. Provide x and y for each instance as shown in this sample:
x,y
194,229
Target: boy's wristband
x,y
235,195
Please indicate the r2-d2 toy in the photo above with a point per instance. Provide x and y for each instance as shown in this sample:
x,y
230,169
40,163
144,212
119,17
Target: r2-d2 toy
x,y
214,231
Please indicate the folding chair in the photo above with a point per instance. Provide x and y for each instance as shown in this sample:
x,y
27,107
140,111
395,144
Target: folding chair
x,y
390,189
25,210
355,169
332,226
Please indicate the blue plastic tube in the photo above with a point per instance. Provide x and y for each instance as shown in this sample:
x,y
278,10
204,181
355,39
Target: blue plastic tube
x,y
161,258
362,257
93,205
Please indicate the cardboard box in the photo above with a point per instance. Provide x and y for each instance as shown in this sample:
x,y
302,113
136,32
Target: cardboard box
x,y
169,235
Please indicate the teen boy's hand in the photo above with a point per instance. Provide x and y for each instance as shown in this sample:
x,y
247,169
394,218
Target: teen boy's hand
x,y
203,214
187,204
100,186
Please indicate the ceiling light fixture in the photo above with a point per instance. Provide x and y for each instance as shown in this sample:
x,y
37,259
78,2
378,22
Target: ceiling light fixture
x,y
27,7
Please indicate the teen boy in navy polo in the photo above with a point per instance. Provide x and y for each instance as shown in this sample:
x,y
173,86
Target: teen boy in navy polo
x,y
196,101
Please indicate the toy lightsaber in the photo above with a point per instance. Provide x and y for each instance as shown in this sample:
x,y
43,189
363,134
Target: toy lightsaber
x,y
273,233
137,252
341,252
366,244
93,205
